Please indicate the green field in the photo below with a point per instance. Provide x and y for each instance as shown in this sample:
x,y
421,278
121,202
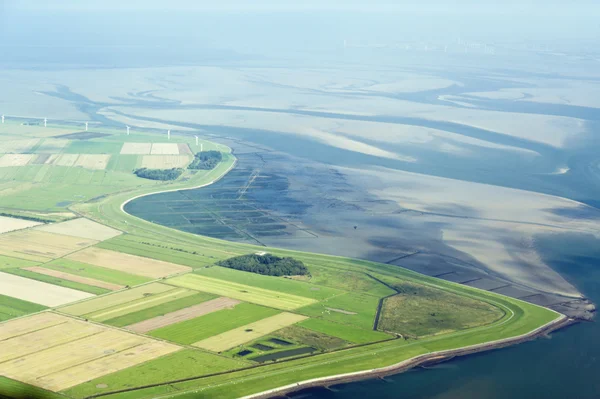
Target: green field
x,y
345,332
159,310
12,307
354,309
17,390
183,364
96,272
311,338
242,292
138,305
280,284
418,311
7,262
57,281
190,331
116,300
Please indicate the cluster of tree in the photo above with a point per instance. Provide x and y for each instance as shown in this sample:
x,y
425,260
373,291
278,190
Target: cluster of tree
x,y
206,160
269,265
159,174
24,217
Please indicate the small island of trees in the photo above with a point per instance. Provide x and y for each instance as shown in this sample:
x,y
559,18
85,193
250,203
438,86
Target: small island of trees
x,y
206,160
267,264
159,174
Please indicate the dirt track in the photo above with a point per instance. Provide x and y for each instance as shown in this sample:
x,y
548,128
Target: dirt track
x,y
183,314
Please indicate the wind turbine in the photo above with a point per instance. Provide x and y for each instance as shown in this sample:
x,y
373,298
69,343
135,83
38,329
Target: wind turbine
x,y
3,119
86,126
169,134
45,122
201,147
196,140
128,130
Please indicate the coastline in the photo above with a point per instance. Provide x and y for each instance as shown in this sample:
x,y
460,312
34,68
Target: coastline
x,y
439,356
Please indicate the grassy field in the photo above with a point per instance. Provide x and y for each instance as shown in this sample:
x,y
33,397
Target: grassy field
x,y
344,332
242,292
354,309
57,281
207,326
418,311
96,272
280,284
311,338
19,390
12,307
248,332
159,310
7,262
182,364
116,299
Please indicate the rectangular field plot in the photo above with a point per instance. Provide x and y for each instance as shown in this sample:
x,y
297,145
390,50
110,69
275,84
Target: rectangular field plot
x,y
15,159
165,161
11,224
57,352
194,330
51,146
136,148
116,299
183,315
182,364
74,278
164,149
140,304
13,307
62,160
38,292
355,309
81,227
281,284
93,161
242,292
128,263
39,245
249,332
17,146
345,332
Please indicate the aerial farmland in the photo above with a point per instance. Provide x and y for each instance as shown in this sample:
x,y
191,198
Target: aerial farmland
x,y
97,302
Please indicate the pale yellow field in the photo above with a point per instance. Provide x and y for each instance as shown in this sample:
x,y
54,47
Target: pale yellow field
x,y
73,277
106,365
128,263
16,146
140,304
63,160
73,352
164,149
93,161
249,332
84,228
165,161
15,159
136,148
38,291
41,338
11,224
24,325
40,245
115,299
